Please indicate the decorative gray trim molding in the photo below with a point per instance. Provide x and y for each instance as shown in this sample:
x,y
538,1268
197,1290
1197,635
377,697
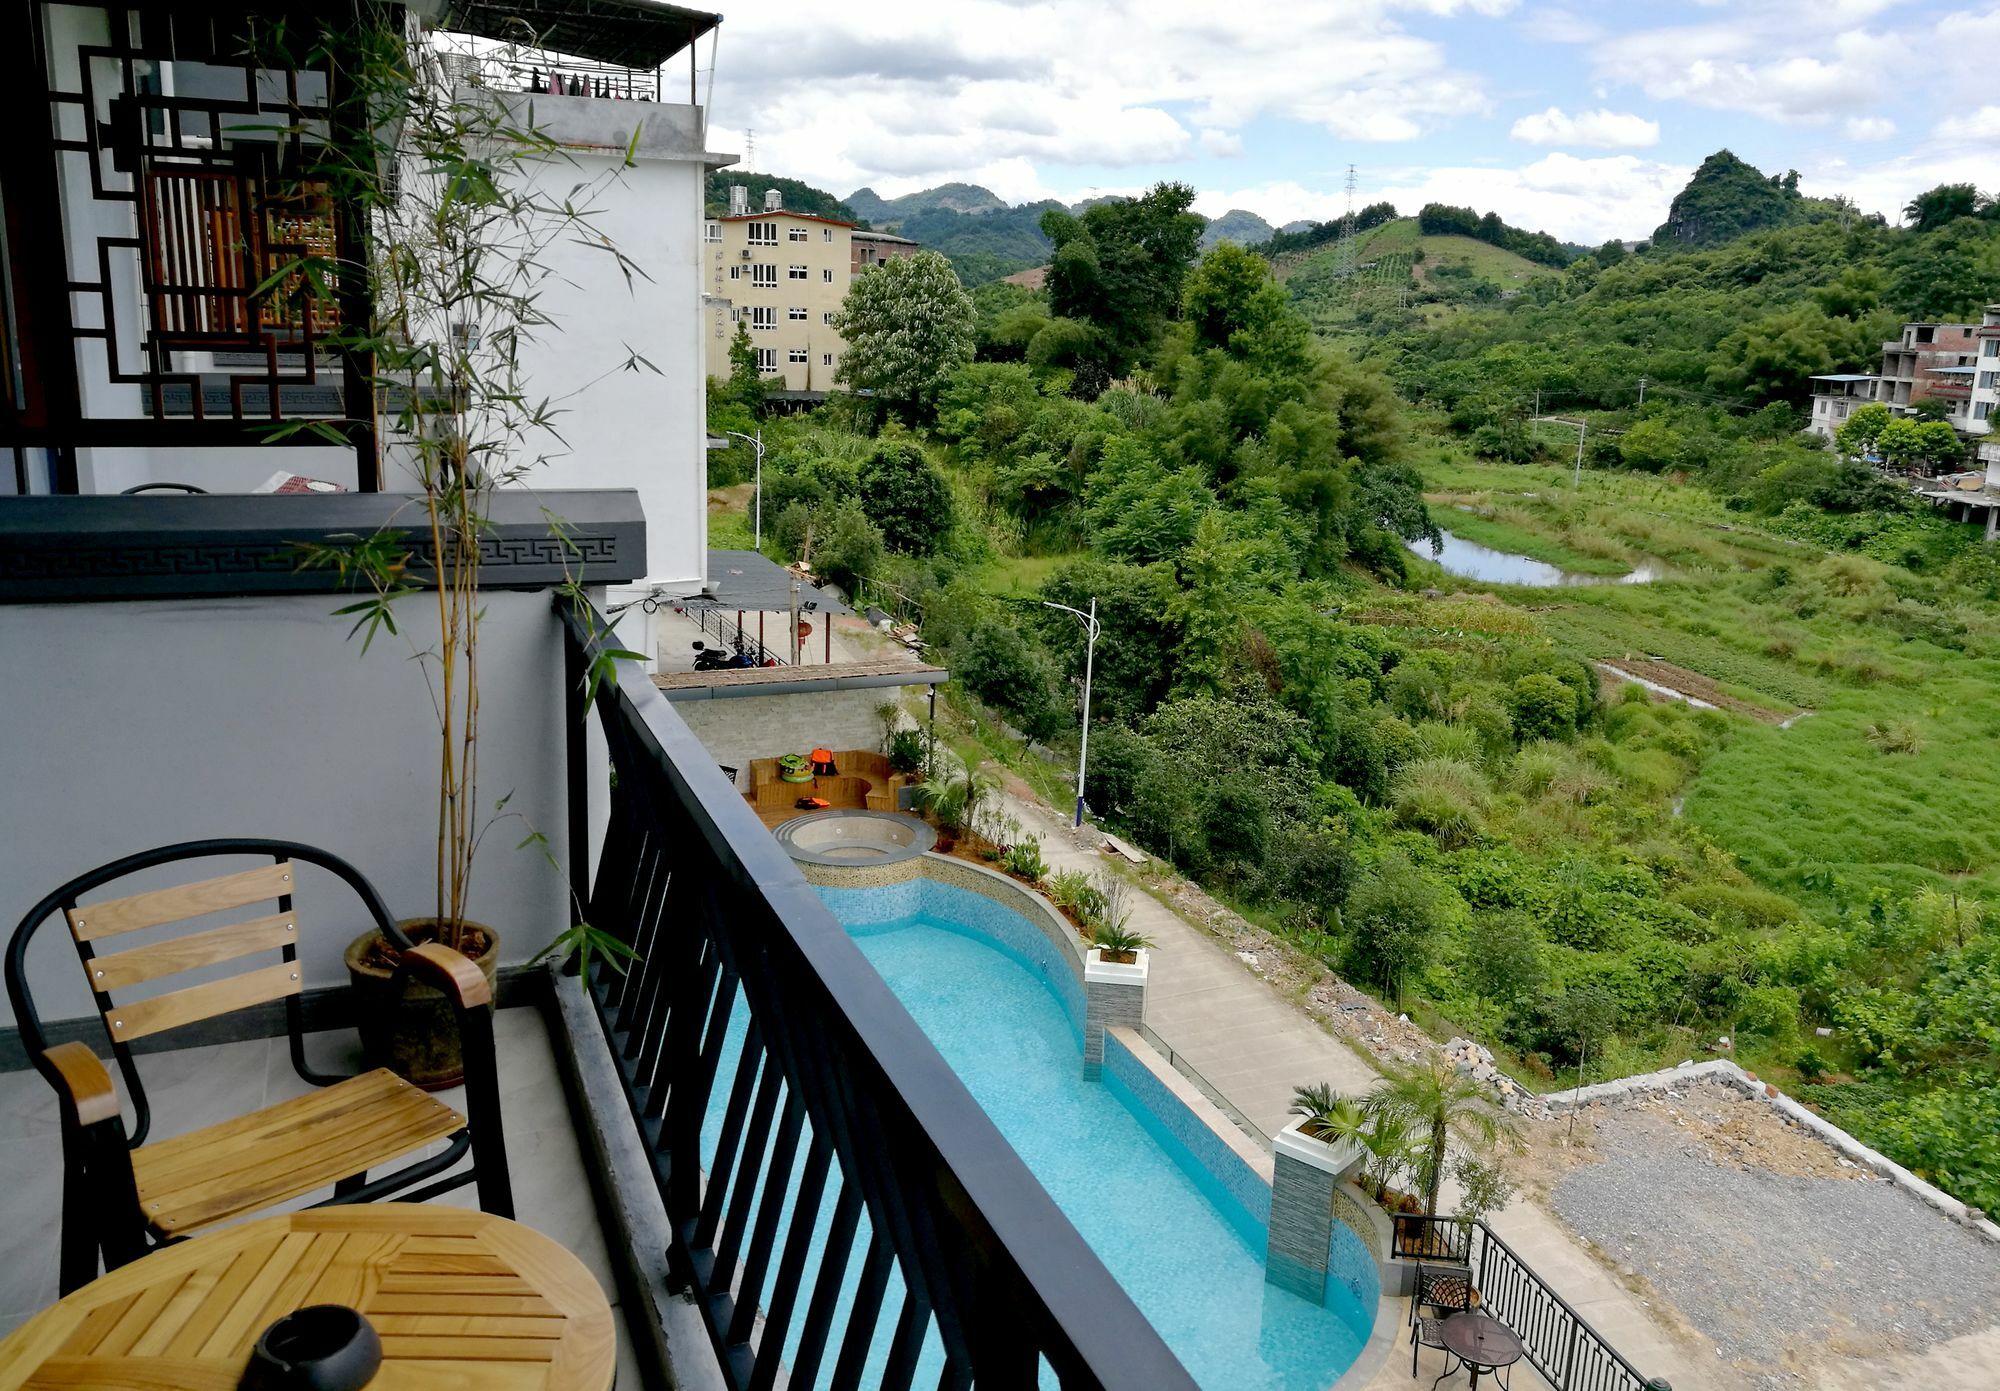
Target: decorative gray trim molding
x,y
170,546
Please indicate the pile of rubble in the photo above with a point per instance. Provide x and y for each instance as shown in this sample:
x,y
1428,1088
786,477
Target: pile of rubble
x,y
1469,1059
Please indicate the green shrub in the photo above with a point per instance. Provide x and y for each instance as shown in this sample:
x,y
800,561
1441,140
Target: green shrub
x,y
1536,766
1542,707
1394,919
1444,797
905,496
1074,891
1024,857
906,751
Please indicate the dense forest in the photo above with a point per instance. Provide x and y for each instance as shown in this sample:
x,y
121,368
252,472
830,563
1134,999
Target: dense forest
x,y
1435,787
798,197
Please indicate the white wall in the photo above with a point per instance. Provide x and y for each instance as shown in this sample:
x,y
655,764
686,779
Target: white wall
x,y
627,429
136,724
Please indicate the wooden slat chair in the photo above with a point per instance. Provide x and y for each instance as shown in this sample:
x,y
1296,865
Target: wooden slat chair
x,y
122,1196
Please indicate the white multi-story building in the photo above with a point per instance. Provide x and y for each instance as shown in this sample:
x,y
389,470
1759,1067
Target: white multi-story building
x,y
138,352
1837,395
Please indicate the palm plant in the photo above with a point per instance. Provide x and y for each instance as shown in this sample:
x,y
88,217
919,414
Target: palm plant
x,y
1437,1103
1328,1115
1119,942
954,802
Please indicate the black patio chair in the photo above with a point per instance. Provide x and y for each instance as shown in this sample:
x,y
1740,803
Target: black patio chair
x,y
123,1197
1428,1332
1445,1289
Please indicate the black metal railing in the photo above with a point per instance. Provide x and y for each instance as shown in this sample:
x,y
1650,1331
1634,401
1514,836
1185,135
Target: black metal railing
x,y
514,68
1556,1340
1420,1238
847,1205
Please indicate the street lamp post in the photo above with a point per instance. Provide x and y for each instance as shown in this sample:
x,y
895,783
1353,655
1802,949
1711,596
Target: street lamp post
x,y
1092,628
756,442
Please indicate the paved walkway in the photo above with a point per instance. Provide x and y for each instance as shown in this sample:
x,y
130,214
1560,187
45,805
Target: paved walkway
x,y
1254,1047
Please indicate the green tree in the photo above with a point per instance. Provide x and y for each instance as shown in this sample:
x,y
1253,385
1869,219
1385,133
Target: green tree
x,y
1003,668
1861,435
847,546
1120,264
1918,444
906,497
1935,207
1395,917
908,327
1438,1104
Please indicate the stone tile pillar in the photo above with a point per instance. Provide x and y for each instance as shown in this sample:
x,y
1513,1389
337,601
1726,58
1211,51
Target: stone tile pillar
x,y
1304,1172
1114,993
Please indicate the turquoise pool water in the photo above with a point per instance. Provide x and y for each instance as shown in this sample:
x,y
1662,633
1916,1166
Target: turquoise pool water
x,y
1189,1254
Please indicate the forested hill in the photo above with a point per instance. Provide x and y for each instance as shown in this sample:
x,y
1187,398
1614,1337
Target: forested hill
x,y
799,197
954,197
1727,199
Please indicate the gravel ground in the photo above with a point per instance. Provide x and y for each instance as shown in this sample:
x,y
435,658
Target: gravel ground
x,y
1781,1264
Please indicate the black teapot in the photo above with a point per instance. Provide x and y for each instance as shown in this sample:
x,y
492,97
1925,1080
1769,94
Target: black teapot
x,y
322,1347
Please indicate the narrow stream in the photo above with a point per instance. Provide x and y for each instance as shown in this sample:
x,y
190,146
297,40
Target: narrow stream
x,y
1471,561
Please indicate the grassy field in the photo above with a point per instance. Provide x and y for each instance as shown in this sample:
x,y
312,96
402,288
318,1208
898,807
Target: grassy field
x,y
1875,787
1401,238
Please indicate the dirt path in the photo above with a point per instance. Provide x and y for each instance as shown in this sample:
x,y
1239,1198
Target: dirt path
x,y
1697,690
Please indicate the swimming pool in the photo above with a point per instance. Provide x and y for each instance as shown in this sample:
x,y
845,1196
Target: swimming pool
x,y
1188,1251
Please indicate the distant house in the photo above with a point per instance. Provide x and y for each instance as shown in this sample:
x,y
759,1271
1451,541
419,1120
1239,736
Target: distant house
x,y
1957,364
1837,395
1931,361
873,248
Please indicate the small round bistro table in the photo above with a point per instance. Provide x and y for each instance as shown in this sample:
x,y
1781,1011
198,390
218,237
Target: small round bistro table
x,y
1483,1344
460,1299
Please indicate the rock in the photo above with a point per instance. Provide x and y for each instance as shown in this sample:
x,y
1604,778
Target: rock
x,y
1248,958
1770,1091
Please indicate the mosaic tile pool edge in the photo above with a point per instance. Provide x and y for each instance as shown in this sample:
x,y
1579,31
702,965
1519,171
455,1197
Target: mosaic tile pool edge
x,y
1221,1163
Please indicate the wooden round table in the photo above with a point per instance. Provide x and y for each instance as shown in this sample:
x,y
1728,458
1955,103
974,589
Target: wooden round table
x,y
1483,1344
460,1299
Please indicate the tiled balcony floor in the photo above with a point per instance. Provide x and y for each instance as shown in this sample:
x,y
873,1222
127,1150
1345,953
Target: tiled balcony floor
x,y
194,1087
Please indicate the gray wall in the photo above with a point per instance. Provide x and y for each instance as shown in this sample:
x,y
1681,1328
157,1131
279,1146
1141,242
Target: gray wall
x,y
135,724
741,728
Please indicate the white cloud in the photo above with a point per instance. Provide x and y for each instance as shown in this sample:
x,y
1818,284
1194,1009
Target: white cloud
x,y
919,92
1552,25
1870,127
1980,125
1221,143
1572,198
1602,130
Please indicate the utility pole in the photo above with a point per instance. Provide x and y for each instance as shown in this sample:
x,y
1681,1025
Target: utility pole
x,y
1091,627
1582,428
1642,391
756,441
795,618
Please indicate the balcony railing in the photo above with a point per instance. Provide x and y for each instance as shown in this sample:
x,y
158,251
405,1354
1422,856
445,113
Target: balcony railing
x,y
1555,1339
835,1100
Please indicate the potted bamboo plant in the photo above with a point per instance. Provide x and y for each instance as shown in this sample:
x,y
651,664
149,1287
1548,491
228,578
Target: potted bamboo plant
x,y
453,217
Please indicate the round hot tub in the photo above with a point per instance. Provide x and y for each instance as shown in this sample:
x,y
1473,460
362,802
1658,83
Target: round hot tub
x,y
854,837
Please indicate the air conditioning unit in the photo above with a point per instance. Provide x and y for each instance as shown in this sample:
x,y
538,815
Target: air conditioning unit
x,y
746,253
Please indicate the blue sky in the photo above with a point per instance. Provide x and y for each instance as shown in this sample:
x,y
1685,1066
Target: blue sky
x,y
1580,119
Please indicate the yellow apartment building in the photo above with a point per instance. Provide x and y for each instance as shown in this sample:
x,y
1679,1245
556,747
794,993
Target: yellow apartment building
x,y
784,275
